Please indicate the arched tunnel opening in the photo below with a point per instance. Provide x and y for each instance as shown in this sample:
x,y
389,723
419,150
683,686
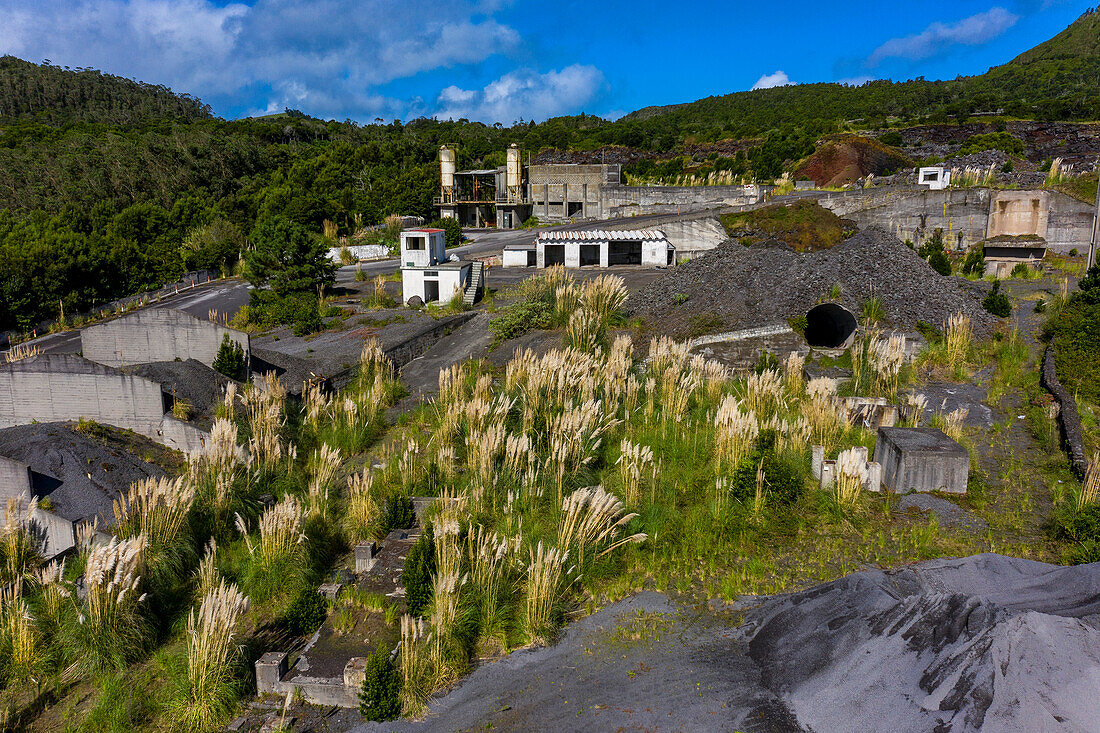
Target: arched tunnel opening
x,y
830,326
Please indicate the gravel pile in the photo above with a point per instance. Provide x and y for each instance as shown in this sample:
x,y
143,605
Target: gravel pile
x,y
770,284
189,380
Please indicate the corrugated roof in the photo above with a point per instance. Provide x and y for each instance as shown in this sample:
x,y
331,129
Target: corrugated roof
x,y
601,234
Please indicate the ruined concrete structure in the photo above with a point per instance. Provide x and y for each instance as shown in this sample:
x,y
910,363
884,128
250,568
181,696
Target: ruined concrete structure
x,y
599,248
61,387
427,273
157,334
968,216
507,196
921,459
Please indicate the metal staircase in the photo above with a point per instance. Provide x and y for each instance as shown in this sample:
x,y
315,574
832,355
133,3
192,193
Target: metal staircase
x,y
469,297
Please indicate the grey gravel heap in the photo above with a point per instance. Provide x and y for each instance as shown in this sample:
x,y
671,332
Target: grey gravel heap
x,y
769,284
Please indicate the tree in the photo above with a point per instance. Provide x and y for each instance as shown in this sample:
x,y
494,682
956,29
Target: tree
x,y
287,258
230,360
997,302
418,572
939,262
380,698
450,225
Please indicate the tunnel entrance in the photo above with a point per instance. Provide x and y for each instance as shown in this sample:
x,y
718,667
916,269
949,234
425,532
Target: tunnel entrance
x,y
830,326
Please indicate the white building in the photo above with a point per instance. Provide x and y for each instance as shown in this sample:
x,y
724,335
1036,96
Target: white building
x,y
935,177
599,248
426,273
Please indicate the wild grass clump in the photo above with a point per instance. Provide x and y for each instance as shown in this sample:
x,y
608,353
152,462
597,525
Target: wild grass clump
x,y
547,579
958,340
20,545
110,628
210,690
851,474
156,509
276,555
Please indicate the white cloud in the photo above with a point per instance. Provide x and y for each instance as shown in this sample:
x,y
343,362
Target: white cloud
x,y
778,79
972,31
324,56
523,93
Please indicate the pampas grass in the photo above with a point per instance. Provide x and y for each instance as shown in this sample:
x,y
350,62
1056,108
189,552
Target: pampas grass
x,y
278,552
592,519
633,462
362,513
851,474
958,338
547,578
109,628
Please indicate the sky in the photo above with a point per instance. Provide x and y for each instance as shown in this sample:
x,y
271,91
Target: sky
x,y
506,60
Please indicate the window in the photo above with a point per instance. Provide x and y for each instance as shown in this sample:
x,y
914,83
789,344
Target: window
x,y
415,242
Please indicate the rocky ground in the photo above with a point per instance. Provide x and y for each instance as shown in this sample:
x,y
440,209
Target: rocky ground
x,y
735,287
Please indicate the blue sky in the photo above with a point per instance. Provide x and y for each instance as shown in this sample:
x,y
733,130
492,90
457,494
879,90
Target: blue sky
x,y
501,60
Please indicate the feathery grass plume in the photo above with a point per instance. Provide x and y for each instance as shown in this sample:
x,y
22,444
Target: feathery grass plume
x,y
363,512
760,497
952,423
207,576
491,559
575,438
585,330
603,296
793,378
851,474
322,468
316,404
763,392
676,391
156,510
820,410
547,580
19,636
415,665
915,405
109,629
52,594
958,337
209,693
632,463
86,537
373,363
664,354
861,353
21,352
483,447
264,401
20,543
227,410
887,357
444,651
1090,488
277,553
566,300
735,433
452,384
592,518
378,297
215,470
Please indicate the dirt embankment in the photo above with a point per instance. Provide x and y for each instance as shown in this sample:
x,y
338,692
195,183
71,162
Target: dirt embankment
x,y
846,159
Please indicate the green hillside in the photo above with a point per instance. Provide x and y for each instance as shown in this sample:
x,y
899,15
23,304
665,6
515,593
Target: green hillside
x,y
1080,40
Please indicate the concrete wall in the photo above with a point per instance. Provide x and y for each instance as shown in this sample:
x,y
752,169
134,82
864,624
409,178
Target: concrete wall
x,y
921,459
627,201
15,481
360,252
60,387
157,334
1018,213
449,280
514,258
58,533
694,236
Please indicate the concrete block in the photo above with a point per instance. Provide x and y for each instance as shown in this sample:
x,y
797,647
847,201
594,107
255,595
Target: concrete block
x,y
354,672
870,412
817,457
828,474
874,477
329,590
157,334
365,553
270,670
921,459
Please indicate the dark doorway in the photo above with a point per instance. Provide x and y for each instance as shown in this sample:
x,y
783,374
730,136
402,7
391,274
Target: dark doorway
x,y
830,326
431,290
590,255
576,208
554,254
532,258
624,253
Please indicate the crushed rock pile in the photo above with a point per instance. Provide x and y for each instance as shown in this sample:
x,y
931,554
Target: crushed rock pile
x,y
190,380
986,642
770,284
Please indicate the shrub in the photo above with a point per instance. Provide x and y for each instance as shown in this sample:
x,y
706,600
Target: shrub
x,y
997,302
767,360
530,222
306,612
783,478
892,138
300,311
1073,252
398,513
930,332
453,229
380,698
1021,270
519,318
417,575
974,264
230,360
940,263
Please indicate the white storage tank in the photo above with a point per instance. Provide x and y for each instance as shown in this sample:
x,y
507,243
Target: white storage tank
x,y
446,168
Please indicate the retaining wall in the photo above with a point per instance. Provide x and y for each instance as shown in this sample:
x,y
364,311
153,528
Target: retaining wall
x,y
15,481
1068,418
61,387
157,334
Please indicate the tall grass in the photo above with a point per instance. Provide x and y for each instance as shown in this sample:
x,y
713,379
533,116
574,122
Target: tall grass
x,y
851,474
547,578
110,628
276,555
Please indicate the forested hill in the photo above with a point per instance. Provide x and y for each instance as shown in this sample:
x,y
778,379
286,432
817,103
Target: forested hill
x,y
56,96
1059,79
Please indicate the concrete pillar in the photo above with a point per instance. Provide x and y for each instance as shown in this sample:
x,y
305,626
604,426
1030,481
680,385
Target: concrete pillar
x,y
270,669
364,556
546,203
874,477
817,457
605,248
861,450
565,201
828,474
584,202
572,254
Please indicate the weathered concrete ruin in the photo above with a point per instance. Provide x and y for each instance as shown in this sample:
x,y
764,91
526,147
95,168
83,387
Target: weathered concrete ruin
x,y
62,387
595,248
921,459
157,334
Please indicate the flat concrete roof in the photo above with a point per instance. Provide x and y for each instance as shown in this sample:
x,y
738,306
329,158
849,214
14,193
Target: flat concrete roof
x,y
920,440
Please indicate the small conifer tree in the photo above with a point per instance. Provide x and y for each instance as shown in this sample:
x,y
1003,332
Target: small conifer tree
x,y
380,698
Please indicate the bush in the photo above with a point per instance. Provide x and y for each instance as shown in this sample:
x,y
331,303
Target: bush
x,y
997,302
453,229
1021,271
974,264
306,612
230,360
519,318
892,138
398,514
784,478
380,698
417,575
530,222
930,332
300,311
939,262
